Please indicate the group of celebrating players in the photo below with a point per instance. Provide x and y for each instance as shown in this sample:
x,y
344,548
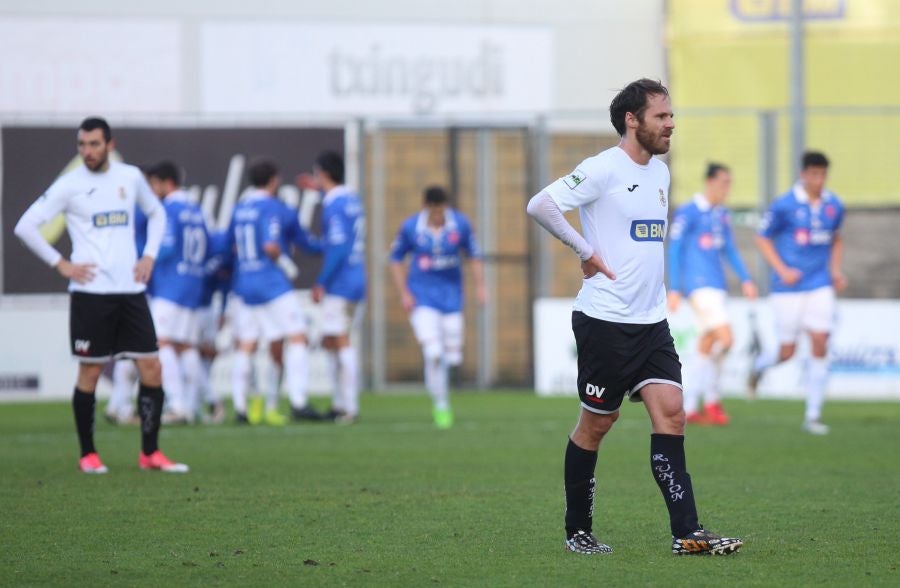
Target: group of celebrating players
x,y
146,265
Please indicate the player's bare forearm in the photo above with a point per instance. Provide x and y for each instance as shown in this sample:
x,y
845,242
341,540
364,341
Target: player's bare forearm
x,y
398,273
767,249
478,274
835,263
143,269
789,275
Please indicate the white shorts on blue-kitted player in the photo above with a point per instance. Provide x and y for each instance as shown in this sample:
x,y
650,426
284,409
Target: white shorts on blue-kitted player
x,y
276,319
795,312
440,334
708,305
174,322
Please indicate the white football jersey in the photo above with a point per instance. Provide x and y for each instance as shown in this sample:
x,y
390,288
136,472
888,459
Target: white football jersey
x,y
623,208
99,209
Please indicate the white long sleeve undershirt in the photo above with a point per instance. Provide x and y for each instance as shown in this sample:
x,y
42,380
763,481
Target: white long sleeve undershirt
x,y
543,209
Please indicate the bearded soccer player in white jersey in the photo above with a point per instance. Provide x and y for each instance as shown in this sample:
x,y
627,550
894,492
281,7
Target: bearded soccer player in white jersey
x,y
622,337
109,317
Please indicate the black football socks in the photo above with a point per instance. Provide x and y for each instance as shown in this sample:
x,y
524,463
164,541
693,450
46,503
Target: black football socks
x,y
580,482
150,405
670,472
83,406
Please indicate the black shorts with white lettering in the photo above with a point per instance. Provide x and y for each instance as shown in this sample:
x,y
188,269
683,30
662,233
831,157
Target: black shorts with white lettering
x,y
616,360
110,326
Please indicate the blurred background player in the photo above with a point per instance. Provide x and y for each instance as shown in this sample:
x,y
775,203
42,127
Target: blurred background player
x,y
108,314
432,291
216,284
699,237
340,286
268,309
800,240
176,292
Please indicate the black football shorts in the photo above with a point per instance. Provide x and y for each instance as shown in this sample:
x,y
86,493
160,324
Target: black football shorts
x,y
616,360
110,326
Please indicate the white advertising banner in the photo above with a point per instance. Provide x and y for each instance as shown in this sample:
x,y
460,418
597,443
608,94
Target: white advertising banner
x,y
89,65
864,350
365,70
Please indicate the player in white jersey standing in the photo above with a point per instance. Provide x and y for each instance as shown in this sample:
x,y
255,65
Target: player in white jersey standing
x,y
109,317
622,337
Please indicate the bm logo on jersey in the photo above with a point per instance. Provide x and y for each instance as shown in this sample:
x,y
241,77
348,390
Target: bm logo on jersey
x,y
648,230
114,218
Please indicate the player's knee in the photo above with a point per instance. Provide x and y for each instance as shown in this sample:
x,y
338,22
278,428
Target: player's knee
x,y
150,371
88,376
597,426
454,357
432,350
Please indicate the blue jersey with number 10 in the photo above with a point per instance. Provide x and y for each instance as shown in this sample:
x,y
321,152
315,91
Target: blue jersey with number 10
x,y
180,268
435,273
343,245
258,219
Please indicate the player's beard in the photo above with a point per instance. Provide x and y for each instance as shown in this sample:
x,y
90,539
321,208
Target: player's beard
x,y
653,144
98,164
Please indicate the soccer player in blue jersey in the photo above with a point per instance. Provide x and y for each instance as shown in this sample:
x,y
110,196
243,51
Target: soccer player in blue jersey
x,y
699,238
340,287
176,290
437,237
800,239
269,309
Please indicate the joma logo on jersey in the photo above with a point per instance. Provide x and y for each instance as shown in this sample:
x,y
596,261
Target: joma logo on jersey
x,y
648,230
115,218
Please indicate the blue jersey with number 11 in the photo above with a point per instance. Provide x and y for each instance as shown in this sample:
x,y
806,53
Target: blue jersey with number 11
x,y
258,219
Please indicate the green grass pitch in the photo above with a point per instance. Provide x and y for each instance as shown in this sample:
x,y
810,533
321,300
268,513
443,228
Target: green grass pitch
x,y
393,502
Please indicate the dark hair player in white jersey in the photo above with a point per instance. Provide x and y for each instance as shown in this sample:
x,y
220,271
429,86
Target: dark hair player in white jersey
x,y
623,340
108,313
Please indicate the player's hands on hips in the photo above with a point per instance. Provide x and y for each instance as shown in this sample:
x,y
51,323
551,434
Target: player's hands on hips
x,y
306,181
749,290
81,273
408,300
838,280
673,301
594,265
790,276
143,269
318,293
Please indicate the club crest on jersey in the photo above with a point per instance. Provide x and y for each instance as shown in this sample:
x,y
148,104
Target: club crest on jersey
x,y
648,230
122,192
113,218
574,179
662,197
